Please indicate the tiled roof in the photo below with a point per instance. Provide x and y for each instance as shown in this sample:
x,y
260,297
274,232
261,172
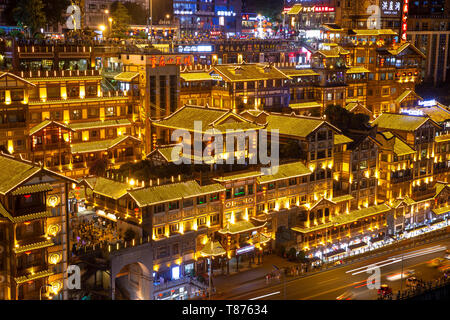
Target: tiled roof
x,y
249,72
442,210
239,176
345,197
33,276
33,188
107,187
33,246
437,114
395,121
394,143
291,125
13,172
404,46
286,171
240,226
341,139
78,100
126,76
172,192
215,250
209,118
293,72
358,70
101,145
359,214
45,124
345,218
195,76
372,32
99,124
305,105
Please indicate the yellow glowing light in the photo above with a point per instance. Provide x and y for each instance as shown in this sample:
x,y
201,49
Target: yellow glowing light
x,y
54,258
132,182
232,218
101,27
181,228
156,267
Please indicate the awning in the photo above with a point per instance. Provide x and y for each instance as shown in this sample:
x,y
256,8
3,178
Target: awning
x,y
240,226
212,249
357,246
295,9
195,76
34,188
126,76
305,105
442,210
358,70
334,253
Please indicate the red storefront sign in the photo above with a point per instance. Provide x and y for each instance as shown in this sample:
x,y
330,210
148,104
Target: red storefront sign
x,y
161,61
404,20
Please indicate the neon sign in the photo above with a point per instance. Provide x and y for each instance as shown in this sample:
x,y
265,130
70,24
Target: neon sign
x,y
404,20
427,103
161,61
411,112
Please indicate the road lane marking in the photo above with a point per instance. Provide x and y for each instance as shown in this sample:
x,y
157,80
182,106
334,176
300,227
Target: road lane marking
x,y
266,295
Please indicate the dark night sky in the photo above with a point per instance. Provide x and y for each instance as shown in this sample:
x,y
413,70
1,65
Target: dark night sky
x,y
265,7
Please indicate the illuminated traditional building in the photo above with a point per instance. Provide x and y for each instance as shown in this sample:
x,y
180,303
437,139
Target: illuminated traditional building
x,y
34,212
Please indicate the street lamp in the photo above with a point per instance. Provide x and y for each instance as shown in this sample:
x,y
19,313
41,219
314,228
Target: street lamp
x,y
40,290
102,28
110,20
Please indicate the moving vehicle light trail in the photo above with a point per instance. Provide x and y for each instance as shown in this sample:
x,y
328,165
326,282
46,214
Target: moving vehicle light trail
x,y
396,259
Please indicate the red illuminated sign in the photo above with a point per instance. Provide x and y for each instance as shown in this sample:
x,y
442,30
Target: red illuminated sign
x,y
404,20
323,9
161,61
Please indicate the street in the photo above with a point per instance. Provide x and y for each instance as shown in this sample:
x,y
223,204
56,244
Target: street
x,y
350,281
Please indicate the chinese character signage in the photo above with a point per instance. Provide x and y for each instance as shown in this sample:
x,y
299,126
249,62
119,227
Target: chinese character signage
x,y
391,7
404,20
161,61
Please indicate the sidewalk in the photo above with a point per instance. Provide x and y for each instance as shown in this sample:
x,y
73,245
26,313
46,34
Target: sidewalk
x,y
243,281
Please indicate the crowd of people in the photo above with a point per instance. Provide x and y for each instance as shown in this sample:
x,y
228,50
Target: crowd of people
x,y
95,231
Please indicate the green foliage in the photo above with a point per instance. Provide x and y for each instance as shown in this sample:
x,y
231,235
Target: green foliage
x,y
17,34
98,168
30,13
138,14
54,10
121,20
292,254
344,119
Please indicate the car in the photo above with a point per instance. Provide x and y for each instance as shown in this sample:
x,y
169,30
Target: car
x,y
398,276
384,291
347,295
435,263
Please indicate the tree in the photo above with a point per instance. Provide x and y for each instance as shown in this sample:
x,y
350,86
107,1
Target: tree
x,y
346,120
292,254
54,10
121,20
30,13
98,168
138,14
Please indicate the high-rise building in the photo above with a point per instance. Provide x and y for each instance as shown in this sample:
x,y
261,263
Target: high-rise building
x,y
429,30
